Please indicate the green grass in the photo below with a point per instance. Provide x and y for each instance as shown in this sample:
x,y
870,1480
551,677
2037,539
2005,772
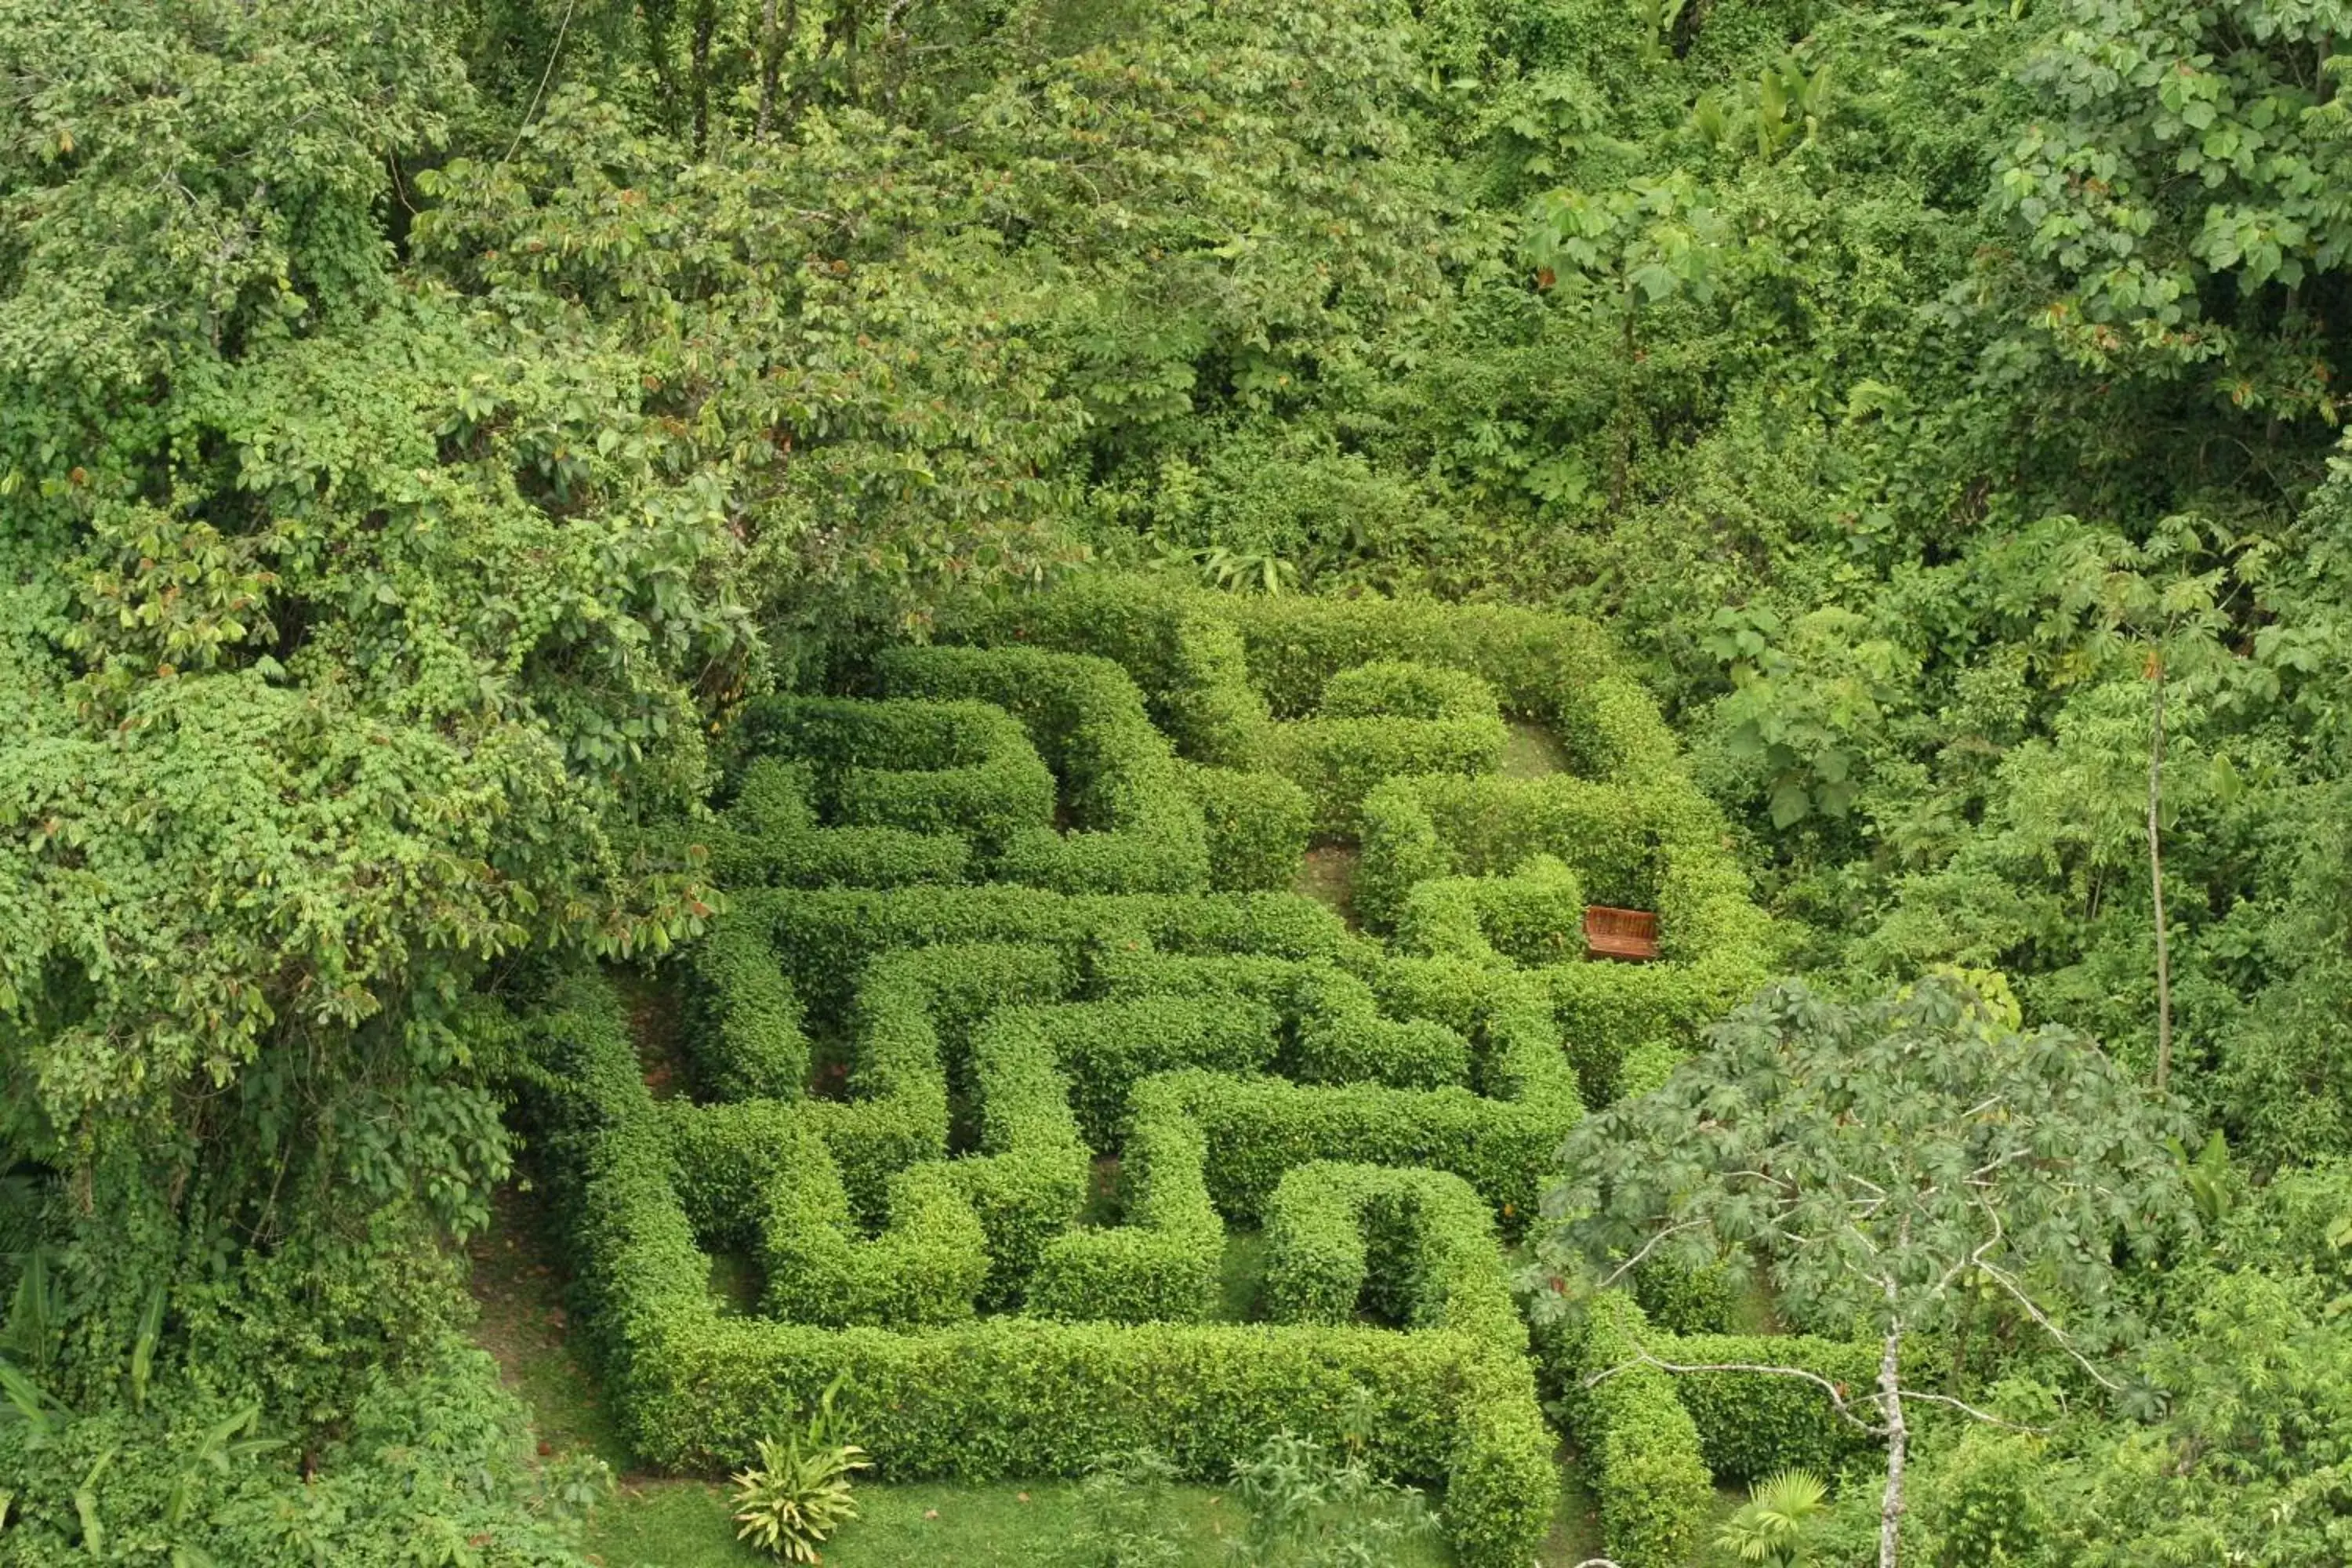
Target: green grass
x,y
685,1524
1532,751
1328,875
1241,1274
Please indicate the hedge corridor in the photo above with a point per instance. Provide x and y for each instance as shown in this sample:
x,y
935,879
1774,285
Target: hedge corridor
x,y
1027,893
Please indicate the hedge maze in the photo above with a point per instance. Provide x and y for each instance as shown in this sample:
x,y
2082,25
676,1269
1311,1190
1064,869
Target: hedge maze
x,y
1014,1038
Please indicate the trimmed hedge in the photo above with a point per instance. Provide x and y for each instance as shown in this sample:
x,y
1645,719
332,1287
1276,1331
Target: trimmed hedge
x,y
1108,1047
1259,1128
958,767
743,1035
1258,826
1652,1482
1419,1245
993,1397
1752,1424
1162,1264
770,835
825,939
1339,1037
1141,830
1534,917
1399,689
1339,762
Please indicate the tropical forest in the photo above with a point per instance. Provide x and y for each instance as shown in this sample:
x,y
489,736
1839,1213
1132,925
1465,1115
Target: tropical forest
x,y
1175,784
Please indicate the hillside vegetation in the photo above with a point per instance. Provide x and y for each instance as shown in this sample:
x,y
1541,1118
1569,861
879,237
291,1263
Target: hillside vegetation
x,y
974,663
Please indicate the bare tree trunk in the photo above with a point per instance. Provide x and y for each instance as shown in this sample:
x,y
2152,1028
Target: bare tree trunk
x,y
769,48
1890,1399
2156,881
706,23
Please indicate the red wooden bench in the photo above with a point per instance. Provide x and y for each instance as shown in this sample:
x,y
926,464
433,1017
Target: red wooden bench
x,y
1628,934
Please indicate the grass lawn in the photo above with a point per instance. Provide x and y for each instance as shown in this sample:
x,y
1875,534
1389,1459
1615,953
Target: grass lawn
x,y
685,1524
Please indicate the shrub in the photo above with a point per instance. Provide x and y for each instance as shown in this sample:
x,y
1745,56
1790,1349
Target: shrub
x,y
1397,688
1142,830
958,767
1004,1396
1339,762
1653,1484
743,1035
1257,823
1533,917
1421,1242
1341,1037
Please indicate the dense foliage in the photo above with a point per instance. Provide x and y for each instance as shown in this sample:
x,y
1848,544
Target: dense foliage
x,y
440,444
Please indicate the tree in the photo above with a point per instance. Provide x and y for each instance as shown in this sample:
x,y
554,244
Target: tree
x,y
1889,1164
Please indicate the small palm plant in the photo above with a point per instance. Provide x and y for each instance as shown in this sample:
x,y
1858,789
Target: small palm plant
x,y
1770,1528
793,1500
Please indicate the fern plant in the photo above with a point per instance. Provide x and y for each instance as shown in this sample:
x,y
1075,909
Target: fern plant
x,y
791,1501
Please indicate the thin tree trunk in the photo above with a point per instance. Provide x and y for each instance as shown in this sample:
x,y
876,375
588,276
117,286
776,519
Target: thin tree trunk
x,y
2155,881
1890,1399
769,52
706,23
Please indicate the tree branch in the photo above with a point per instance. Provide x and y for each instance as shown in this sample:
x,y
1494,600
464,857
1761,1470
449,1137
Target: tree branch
x,y
1837,1398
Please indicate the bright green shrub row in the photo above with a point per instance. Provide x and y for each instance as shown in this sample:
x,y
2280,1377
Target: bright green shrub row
x,y
1607,1009
1258,826
927,1267
1419,1245
1533,917
1161,1264
1141,830
1139,970
825,939
960,767
1107,1047
770,835
1030,1179
1614,835
993,1397
1341,1037
1752,1424
1339,762
1652,1482
1399,689
1259,1128
1176,642
743,1030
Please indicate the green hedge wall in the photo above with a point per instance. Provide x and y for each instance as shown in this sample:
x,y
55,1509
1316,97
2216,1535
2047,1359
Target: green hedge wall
x,y
1752,1424
1258,1128
825,939
1654,1489
1534,917
1107,1047
1339,762
999,1396
770,836
1258,826
953,767
1140,828
1420,1243
1338,1037
1161,1265
1399,689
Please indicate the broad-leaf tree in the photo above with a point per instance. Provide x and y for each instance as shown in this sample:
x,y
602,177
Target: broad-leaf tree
x,y
1889,1167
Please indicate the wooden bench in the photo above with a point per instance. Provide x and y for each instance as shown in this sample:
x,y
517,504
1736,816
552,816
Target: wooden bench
x,y
1631,935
